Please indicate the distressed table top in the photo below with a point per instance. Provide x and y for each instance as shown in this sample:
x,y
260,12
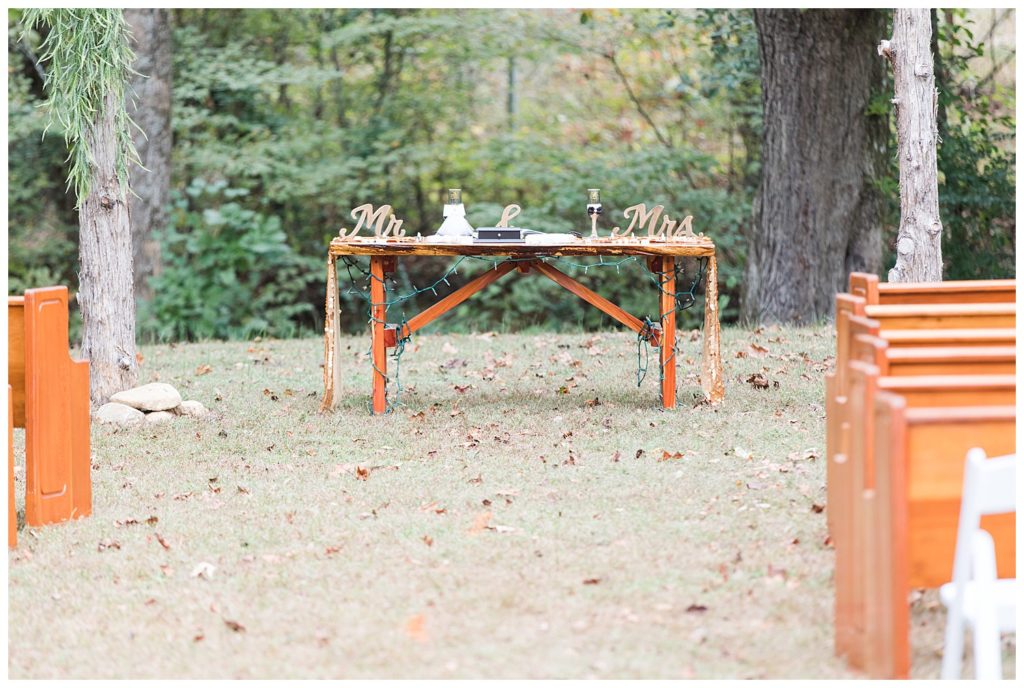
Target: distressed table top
x,y
603,246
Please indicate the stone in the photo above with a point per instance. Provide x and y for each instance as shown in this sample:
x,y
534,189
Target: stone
x,y
156,396
119,414
159,417
191,408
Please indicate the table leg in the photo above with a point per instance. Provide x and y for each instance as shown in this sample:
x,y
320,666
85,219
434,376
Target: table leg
x,y
667,304
332,334
378,316
711,367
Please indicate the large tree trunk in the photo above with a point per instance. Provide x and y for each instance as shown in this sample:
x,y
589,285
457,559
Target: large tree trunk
x,y
151,111
919,242
105,293
817,214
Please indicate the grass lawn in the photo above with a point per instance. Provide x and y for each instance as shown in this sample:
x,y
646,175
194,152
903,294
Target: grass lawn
x,y
526,512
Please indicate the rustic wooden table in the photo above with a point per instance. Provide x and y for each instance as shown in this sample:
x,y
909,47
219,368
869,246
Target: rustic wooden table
x,y
524,258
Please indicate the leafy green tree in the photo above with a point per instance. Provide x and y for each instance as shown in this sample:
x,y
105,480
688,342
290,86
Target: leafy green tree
x,y
88,61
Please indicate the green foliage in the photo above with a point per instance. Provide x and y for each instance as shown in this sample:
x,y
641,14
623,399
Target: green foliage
x,y
284,120
976,161
88,65
228,271
977,164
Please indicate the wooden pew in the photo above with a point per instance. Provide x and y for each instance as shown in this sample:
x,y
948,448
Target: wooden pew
x,y
992,323
911,512
50,399
994,320
873,291
12,515
900,362
854,471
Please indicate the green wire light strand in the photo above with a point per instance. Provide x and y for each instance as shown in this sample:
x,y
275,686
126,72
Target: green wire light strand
x,y
683,300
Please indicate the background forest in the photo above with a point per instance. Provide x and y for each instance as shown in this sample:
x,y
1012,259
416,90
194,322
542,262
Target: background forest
x,y
281,121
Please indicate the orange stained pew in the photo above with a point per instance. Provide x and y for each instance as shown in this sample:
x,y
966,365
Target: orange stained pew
x,y
897,362
911,513
50,394
874,291
12,515
852,472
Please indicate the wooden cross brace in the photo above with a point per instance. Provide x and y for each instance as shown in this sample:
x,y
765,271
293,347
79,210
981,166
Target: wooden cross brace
x,y
388,335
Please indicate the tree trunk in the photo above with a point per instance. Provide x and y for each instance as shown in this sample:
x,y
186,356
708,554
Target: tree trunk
x,y
919,242
151,111
817,213
105,293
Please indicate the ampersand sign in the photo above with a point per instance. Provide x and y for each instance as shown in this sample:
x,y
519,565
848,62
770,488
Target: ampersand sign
x,y
512,210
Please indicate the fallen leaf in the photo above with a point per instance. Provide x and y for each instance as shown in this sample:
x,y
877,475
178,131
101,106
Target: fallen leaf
x,y
332,550
758,381
162,541
234,626
415,627
501,529
591,581
817,508
593,402
696,609
203,569
480,522
666,455
428,541
204,369
362,473
108,544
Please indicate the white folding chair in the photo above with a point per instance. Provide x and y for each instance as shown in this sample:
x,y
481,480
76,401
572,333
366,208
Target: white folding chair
x,y
976,597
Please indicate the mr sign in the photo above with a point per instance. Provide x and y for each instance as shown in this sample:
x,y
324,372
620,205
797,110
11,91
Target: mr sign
x,y
365,214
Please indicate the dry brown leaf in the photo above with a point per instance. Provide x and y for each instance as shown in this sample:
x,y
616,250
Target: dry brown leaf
x,y
234,626
758,381
415,627
480,521
204,369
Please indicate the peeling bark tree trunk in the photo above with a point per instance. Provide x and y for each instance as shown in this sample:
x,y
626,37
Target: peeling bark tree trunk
x,y
919,242
105,293
817,214
151,111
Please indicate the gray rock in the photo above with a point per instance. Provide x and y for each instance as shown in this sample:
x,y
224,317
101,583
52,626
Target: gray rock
x,y
119,414
156,396
159,417
191,408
